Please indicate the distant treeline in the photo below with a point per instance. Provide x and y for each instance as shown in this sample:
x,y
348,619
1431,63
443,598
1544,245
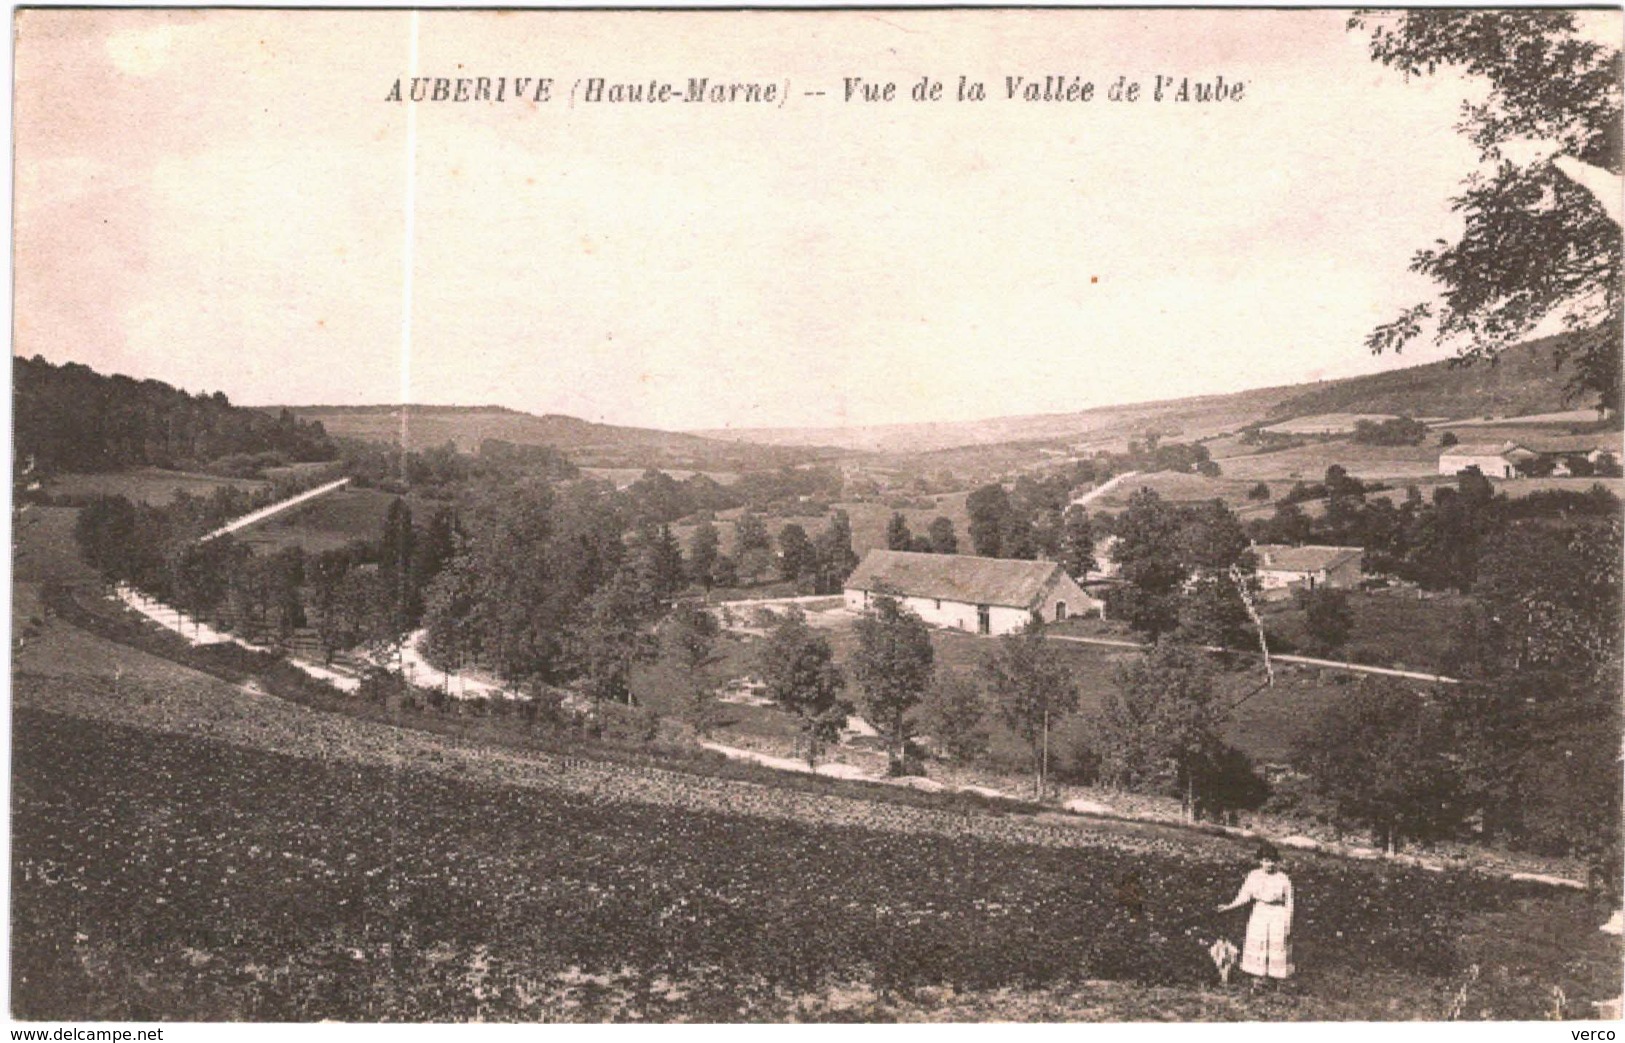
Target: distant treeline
x,y
71,418
441,471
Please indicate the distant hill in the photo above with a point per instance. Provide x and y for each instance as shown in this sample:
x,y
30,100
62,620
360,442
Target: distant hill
x,y
1525,380
1186,418
586,443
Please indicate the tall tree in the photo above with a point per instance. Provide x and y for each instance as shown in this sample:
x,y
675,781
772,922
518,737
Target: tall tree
x,y
1383,757
1033,690
1220,570
753,547
897,535
892,668
703,548
1547,83
836,558
690,637
1151,564
1161,726
798,668
989,509
396,555
609,637
796,553
943,540
1077,548
955,715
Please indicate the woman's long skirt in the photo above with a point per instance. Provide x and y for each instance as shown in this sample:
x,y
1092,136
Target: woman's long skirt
x,y
1268,950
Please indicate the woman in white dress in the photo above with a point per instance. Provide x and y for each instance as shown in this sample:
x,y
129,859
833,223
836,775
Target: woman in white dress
x,y
1268,949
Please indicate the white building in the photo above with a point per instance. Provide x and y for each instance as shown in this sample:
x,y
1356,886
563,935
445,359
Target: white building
x,y
980,595
1497,460
1283,568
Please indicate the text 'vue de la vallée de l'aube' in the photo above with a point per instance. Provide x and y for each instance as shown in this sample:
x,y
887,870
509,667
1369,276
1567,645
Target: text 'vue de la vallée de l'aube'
x,y
701,89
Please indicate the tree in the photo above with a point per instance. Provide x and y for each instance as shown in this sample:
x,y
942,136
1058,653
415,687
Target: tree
x,y
396,554
1077,549
1259,493
690,637
796,552
658,559
1032,689
1552,597
1161,726
1448,439
1151,564
836,558
1328,620
943,540
1550,85
703,548
608,638
892,668
989,509
436,545
753,548
1220,569
955,715
1382,757
798,668
897,535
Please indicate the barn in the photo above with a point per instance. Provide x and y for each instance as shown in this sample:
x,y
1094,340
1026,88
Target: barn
x,y
1495,460
980,595
1282,568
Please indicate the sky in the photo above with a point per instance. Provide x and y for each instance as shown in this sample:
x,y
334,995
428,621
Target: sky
x,y
227,200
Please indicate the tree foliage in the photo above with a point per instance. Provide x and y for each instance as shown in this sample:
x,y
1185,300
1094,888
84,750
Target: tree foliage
x,y
1032,688
954,714
1535,245
892,667
798,668
1161,726
1382,757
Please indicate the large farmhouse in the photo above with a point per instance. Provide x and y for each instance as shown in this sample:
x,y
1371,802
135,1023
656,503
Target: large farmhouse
x,y
1493,460
1579,455
981,595
1282,568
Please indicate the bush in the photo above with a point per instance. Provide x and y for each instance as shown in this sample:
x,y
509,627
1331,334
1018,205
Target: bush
x,y
627,723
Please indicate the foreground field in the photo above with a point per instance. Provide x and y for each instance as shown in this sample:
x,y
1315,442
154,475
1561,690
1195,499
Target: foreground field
x,y
189,849
163,877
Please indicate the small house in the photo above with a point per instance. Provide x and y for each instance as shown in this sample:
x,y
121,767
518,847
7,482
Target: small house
x,y
979,595
1283,569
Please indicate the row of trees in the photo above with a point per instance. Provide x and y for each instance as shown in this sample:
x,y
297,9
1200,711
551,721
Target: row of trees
x,y
658,497
444,471
1159,730
818,564
370,593
1033,520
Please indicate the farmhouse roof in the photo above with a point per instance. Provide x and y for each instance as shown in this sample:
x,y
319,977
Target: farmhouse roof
x,y
1477,449
1303,559
1570,444
955,577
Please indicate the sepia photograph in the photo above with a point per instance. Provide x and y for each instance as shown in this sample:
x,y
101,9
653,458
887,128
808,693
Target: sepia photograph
x,y
816,515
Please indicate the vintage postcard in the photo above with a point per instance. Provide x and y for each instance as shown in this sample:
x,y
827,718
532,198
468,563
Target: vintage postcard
x,y
815,515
